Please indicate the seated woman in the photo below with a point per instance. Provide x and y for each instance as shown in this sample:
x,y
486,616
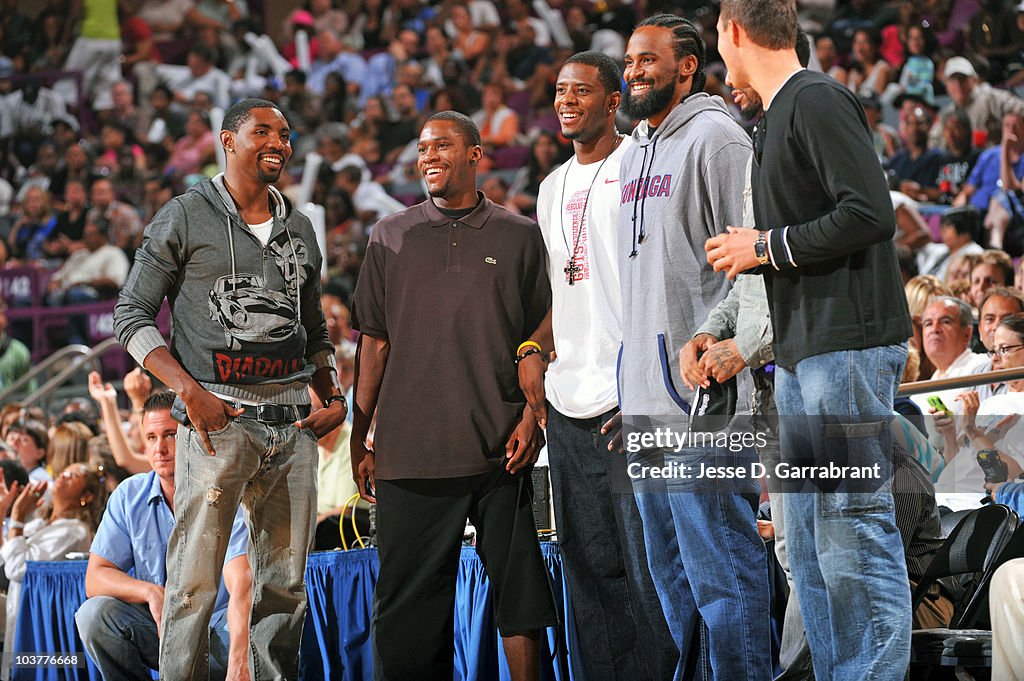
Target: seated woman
x,y
994,424
69,444
66,525
196,149
870,73
33,226
499,125
546,153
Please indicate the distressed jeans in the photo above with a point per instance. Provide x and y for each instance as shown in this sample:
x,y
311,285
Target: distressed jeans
x,y
845,552
272,471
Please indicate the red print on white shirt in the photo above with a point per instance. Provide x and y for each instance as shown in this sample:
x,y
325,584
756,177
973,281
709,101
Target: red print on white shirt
x,y
574,208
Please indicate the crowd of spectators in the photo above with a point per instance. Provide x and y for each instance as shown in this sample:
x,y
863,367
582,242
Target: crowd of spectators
x,y
939,82
108,109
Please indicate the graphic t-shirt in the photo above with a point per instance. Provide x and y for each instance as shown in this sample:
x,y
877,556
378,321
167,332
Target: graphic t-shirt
x,y
577,209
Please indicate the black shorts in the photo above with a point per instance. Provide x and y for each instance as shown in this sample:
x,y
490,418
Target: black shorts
x,y
420,526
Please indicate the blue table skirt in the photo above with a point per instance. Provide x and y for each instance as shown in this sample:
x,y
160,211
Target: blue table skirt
x,y
336,638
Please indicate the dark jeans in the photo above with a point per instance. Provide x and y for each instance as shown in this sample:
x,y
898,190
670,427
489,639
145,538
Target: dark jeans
x,y
621,628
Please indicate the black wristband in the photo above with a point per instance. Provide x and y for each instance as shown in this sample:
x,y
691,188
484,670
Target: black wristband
x,y
526,353
335,398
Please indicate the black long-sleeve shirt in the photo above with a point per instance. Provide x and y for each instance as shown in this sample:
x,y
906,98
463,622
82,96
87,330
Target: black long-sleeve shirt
x,y
833,281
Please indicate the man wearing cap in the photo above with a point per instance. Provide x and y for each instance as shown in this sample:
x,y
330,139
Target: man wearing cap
x,y
985,105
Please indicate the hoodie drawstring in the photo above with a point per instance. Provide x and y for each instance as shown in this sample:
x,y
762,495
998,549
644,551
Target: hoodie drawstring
x,y
647,186
644,178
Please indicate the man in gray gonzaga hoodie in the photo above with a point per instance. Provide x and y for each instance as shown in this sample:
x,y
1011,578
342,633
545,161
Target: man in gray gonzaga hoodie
x,y
681,184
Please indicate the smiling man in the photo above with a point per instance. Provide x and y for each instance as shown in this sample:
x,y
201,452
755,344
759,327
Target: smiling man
x,y
448,289
622,631
241,272
682,182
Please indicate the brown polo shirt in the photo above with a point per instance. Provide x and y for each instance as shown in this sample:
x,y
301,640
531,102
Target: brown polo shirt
x,y
454,298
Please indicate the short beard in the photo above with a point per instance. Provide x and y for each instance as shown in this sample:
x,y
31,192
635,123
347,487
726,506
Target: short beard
x,y
268,178
654,101
748,112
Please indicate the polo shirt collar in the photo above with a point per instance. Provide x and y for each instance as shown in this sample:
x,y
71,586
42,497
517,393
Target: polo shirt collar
x,y
480,215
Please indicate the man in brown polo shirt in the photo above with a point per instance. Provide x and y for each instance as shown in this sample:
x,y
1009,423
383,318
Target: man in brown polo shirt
x,y
448,290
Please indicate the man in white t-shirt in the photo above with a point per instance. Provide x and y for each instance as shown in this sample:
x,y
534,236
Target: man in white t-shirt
x,y
200,75
623,634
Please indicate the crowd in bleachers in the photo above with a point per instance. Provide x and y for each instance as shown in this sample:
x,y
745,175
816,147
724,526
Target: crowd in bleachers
x,y
108,109
107,141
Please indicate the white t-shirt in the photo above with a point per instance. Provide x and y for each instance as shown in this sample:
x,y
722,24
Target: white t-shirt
x,y
262,230
587,316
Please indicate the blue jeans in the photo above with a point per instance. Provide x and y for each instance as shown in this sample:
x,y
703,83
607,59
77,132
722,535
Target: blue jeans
x,y
272,471
709,565
121,638
620,625
845,553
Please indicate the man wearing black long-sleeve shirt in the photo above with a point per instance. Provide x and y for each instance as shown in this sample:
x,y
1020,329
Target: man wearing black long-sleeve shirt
x,y
824,243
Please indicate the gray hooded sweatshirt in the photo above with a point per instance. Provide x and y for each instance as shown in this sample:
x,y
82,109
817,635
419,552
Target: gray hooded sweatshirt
x,y
680,186
247,317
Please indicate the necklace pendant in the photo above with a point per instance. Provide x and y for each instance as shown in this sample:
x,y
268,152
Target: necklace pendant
x,y
570,270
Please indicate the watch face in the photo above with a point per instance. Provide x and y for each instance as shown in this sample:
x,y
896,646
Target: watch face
x,y
761,249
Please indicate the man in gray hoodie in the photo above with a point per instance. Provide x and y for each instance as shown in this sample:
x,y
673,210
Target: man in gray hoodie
x,y
682,183
241,272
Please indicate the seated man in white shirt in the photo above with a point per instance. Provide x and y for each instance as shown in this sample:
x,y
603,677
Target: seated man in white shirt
x,y
371,200
947,325
96,272
994,426
200,75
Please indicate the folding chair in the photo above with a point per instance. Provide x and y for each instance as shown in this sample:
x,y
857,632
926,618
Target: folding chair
x,y
974,547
